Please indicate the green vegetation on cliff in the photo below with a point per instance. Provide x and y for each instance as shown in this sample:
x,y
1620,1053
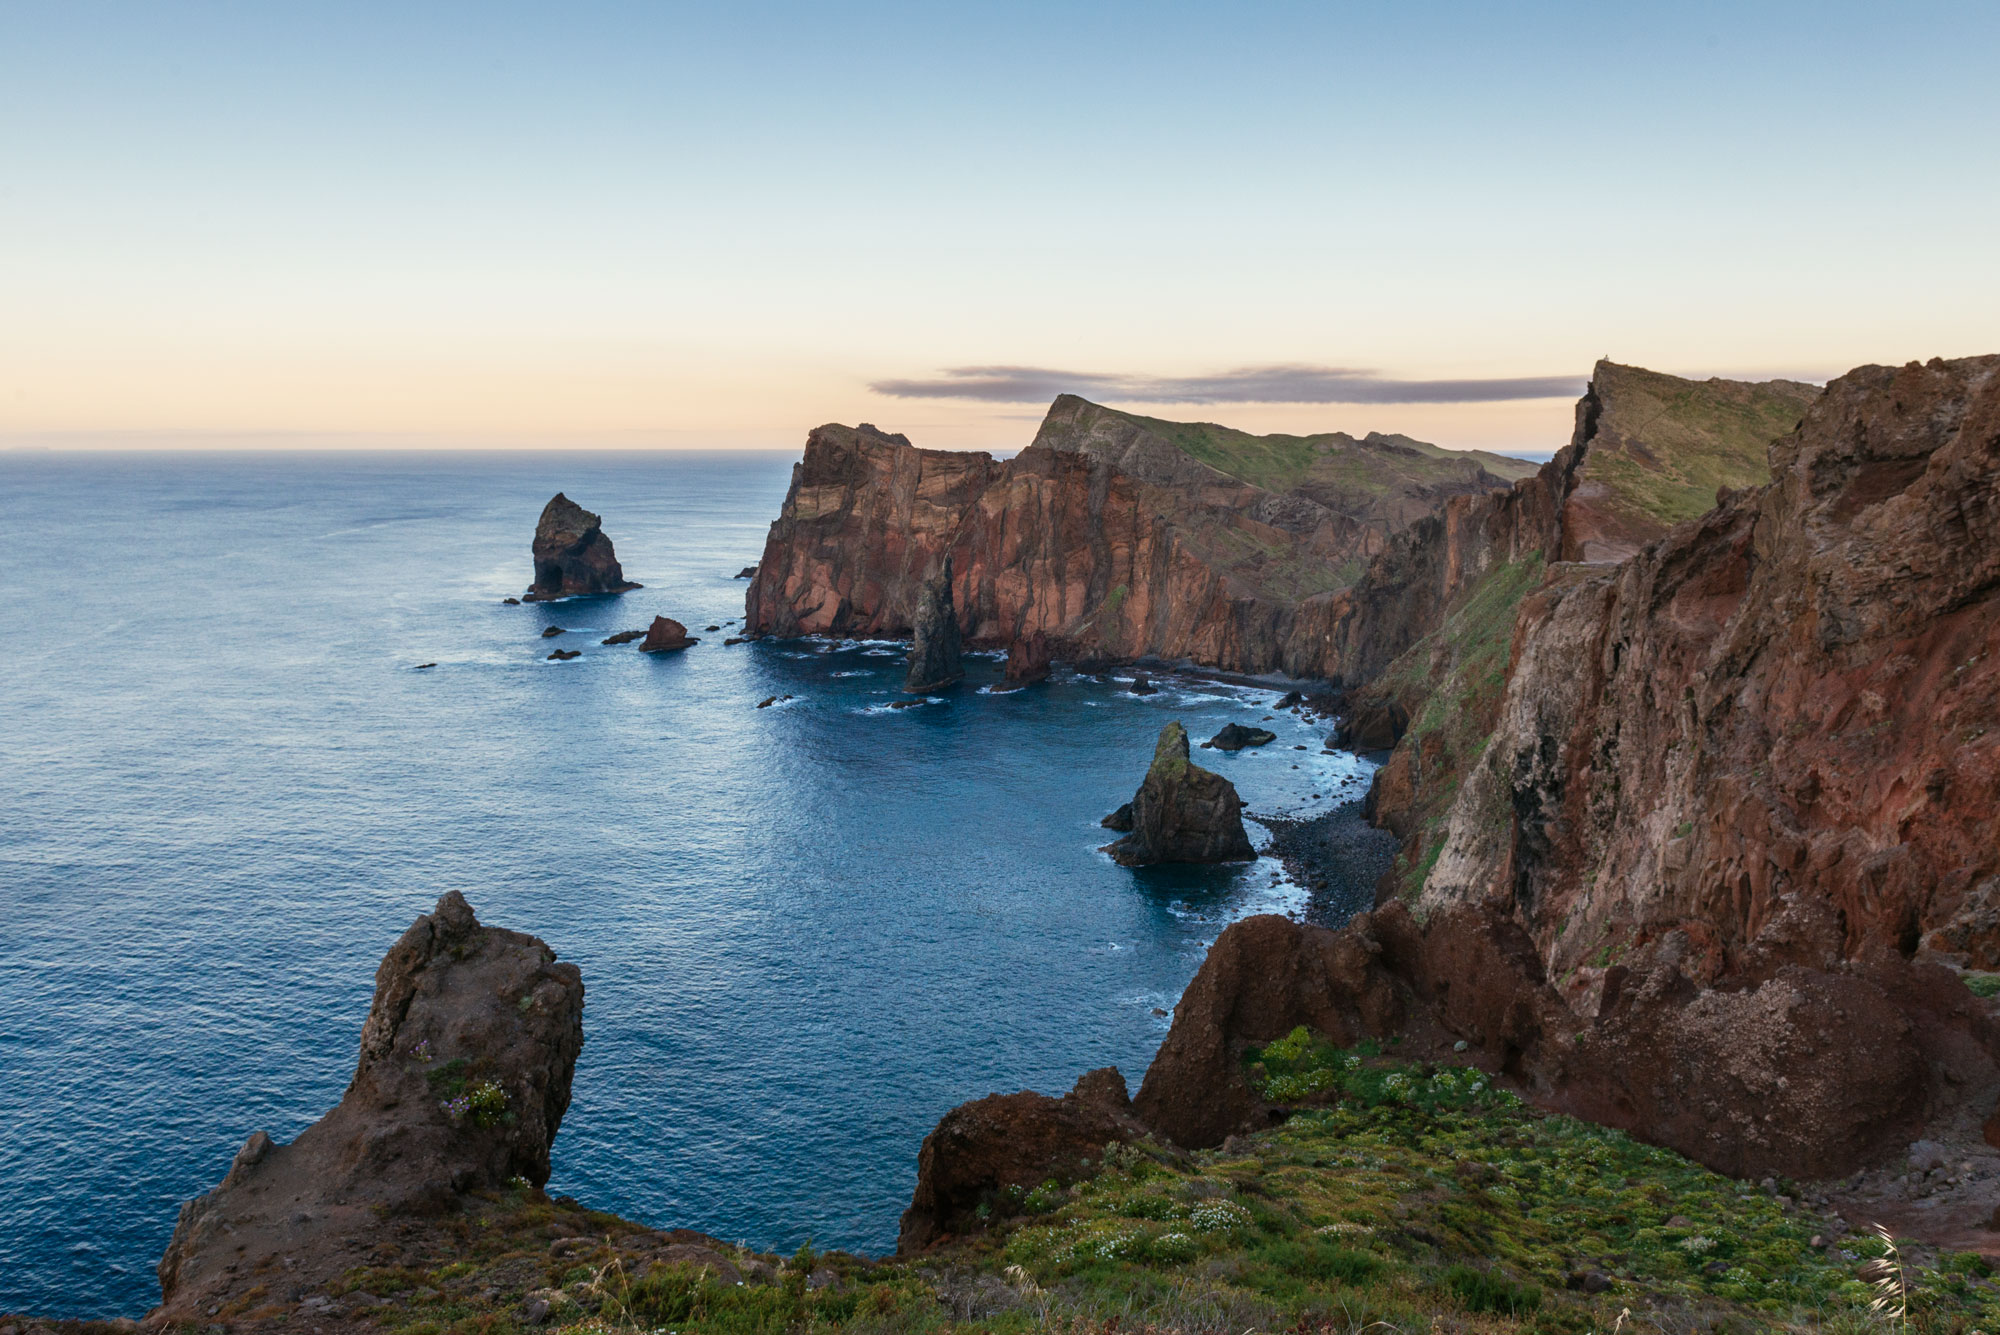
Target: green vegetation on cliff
x,y
1418,1197
1369,465
1664,445
1452,683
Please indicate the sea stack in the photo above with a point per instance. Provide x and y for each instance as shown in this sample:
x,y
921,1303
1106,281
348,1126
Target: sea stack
x,y
464,1076
572,555
1183,813
1028,659
934,646
664,636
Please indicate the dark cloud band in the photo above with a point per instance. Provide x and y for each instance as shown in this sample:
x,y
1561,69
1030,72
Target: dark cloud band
x,y
1249,384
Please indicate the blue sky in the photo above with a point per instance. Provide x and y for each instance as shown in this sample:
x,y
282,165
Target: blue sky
x,y
655,224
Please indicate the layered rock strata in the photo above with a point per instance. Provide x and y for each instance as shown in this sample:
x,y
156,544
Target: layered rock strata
x,y
1182,813
935,661
463,1078
1111,536
573,558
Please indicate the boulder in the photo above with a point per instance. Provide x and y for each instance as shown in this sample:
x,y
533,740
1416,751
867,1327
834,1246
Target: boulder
x,y
550,632
981,1149
1183,813
464,1076
1234,737
1141,686
572,555
934,647
665,635
624,637
564,655
747,572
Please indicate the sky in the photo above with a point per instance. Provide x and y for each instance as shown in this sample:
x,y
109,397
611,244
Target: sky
x,y
656,225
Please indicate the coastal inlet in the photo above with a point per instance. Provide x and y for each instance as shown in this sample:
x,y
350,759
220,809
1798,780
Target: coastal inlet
x,y
809,929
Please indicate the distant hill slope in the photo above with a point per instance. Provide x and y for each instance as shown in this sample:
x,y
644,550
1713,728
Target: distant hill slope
x,y
1662,447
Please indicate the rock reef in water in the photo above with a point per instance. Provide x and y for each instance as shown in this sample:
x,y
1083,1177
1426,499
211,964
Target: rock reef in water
x,y
1234,737
1183,813
1029,659
666,635
935,654
572,556
983,1148
464,1077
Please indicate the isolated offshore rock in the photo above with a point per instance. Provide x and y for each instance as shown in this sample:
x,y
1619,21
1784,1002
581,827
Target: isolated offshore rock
x,y
1183,813
666,635
982,1148
934,648
623,637
572,555
1029,657
463,1078
1234,737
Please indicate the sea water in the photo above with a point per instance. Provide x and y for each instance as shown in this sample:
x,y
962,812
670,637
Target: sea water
x,y
806,931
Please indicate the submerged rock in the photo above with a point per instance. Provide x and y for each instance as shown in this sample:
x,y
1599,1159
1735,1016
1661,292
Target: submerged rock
x,y
666,635
934,648
572,555
550,632
463,1078
564,655
1183,813
1234,737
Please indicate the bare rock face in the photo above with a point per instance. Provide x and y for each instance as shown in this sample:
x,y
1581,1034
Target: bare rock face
x,y
982,1148
665,635
1183,813
1806,1074
572,555
934,647
463,1078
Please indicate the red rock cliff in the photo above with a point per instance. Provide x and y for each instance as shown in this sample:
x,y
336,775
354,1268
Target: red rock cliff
x,y
1111,536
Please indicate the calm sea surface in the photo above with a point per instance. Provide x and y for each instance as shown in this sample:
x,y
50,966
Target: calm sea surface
x,y
805,931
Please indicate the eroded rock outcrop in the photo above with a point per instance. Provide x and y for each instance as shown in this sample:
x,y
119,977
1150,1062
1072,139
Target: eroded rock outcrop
x,y
1235,736
463,1078
981,1149
935,661
1805,1074
1183,813
572,556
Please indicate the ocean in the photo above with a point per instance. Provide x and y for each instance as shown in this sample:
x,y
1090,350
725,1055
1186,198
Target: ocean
x,y
805,931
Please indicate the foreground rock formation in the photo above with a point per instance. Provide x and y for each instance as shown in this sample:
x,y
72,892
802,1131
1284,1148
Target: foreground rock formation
x,y
572,555
1112,536
1011,1141
1182,813
935,661
463,1079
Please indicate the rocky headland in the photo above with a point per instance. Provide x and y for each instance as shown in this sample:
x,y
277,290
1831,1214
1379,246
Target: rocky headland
x,y
1112,536
573,558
